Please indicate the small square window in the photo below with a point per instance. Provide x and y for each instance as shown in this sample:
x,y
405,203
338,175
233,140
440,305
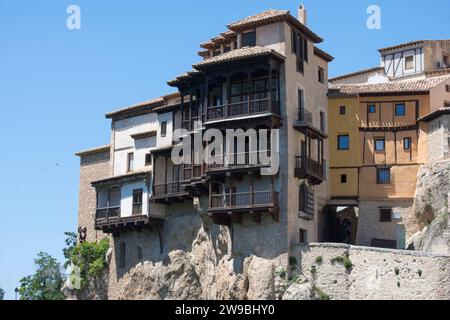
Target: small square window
x,y
249,39
303,236
343,178
409,63
372,108
163,128
148,159
342,110
383,175
385,214
343,142
407,143
400,109
379,144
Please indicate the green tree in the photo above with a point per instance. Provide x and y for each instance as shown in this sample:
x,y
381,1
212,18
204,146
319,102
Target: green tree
x,y
71,243
46,283
2,294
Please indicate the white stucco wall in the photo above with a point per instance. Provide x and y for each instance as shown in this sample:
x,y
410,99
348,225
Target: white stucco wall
x,y
126,201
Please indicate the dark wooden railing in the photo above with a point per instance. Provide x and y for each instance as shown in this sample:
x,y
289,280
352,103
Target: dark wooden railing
x,y
107,213
237,109
305,166
305,117
167,189
244,159
244,200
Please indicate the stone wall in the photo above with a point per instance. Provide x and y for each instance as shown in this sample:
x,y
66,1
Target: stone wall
x,y
93,167
370,227
437,138
376,274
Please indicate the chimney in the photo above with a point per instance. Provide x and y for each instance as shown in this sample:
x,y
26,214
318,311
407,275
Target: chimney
x,y
302,14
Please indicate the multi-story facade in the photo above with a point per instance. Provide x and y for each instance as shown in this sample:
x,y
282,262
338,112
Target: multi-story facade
x,y
385,123
264,73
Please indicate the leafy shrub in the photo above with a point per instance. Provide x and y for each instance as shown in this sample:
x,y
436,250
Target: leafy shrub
x,y
90,257
319,260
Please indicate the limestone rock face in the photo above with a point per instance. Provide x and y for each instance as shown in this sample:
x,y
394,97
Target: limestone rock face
x,y
300,292
431,209
196,262
432,191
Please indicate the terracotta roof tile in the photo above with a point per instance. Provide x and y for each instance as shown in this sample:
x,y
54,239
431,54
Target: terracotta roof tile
x,y
402,45
322,54
357,73
95,150
133,176
407,86
238,54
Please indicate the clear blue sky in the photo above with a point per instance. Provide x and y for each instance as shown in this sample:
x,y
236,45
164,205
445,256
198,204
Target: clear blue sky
x,y
56,85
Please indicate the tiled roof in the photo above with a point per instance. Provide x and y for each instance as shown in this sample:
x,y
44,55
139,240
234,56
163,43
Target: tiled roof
x,y
133,176
322,54
436,72
238,54
142,106
95,150
216,41
357,73
410,44
435,114
407,86
403,45
185,76
272,16
144,135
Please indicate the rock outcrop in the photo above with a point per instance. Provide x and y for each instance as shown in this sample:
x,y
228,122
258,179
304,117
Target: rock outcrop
x,y
431,209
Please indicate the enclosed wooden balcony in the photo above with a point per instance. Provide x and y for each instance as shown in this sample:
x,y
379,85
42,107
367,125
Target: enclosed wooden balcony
x,y
109,221
228,111
228,208
238,163
169,192
307,168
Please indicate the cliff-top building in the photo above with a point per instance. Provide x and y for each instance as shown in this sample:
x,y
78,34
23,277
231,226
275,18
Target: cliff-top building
x,y
265,72
384,123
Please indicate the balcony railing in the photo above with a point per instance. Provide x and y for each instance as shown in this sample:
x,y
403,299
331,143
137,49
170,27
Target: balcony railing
x,y
240,160
238,109
244,200
308,168
168,189
105,214
305,117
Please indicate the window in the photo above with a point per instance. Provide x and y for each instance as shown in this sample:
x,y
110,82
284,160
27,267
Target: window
x,y
372,108
383,175
148,159
342,110
385,214
301,105
227,49
343,142
407,143
249,39
130,162
300,49
122,255
321,74
447,88
163,128
306,201
216,53
139,254
343,178
409,63
322,121
303,236
400,109
137,201
379,144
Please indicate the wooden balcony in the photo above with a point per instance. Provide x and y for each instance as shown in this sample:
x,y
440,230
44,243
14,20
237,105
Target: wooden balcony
x,y
306,168
228,208
169,192
238,163
109,221
243,109
305,125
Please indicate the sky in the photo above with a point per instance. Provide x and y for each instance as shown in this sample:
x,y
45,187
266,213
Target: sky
x,y
56,85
